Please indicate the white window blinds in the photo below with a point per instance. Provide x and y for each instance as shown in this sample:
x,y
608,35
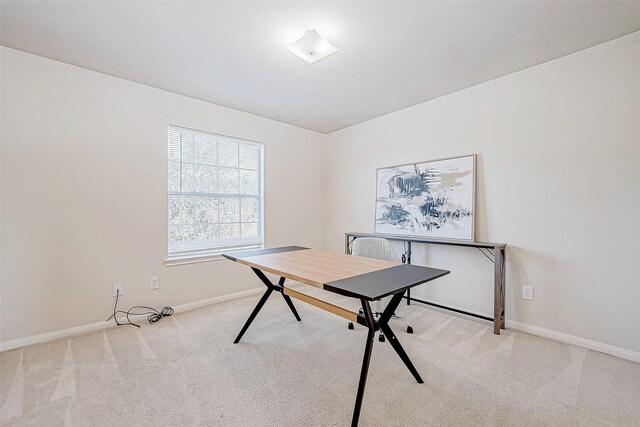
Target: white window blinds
x,y
215,192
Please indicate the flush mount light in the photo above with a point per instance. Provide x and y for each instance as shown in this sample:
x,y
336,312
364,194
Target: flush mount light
x,y
312,47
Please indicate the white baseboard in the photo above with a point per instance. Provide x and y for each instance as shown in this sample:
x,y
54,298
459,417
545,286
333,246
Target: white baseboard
x,y
215,300
620,352
50,336
613,350
623,353
64,333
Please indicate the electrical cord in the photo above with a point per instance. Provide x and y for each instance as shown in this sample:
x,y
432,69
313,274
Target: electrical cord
x,y
153,315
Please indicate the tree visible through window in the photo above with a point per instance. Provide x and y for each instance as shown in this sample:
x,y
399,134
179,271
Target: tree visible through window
x,y
215,192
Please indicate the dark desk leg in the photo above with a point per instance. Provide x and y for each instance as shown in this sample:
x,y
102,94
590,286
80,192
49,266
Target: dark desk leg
x,y
368,315
270,288
383,324
253,315
498,290
291,306
288,299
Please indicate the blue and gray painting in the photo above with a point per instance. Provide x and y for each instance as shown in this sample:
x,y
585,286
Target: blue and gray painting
x,y
422,200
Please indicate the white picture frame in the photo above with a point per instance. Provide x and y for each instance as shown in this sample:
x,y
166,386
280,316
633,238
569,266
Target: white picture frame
x,y
432,199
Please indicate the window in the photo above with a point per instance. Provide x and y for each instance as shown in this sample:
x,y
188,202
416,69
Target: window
x,y
215,193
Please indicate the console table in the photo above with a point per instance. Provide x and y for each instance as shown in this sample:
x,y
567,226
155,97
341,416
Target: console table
x,y
497,257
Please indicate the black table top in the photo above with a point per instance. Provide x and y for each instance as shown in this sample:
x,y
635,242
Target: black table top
x,y
389,281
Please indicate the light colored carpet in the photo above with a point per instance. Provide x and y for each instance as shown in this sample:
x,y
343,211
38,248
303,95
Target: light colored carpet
x,y
185,370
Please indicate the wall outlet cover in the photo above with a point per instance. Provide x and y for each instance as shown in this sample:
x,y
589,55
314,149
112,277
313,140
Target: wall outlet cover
x,y
527,292
117,289
154,283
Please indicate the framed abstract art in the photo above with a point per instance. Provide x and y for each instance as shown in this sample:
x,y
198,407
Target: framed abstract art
x,y
433,198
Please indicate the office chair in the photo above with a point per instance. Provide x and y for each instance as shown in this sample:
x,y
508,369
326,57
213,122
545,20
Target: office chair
x,y
375,247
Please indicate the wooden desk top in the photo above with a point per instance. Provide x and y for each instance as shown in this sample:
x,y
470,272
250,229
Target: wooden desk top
x,y
348,275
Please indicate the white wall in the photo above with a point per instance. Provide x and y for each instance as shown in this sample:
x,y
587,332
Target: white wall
x,y
84,203
83,191
558,181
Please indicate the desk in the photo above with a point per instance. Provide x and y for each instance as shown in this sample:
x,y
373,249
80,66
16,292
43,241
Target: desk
x,y
498,260
356,277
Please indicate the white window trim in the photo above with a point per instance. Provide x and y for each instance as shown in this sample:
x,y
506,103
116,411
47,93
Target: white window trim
x,y
207,256
196,257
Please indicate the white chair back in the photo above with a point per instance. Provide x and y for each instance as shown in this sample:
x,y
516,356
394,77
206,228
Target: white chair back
x,y
374,247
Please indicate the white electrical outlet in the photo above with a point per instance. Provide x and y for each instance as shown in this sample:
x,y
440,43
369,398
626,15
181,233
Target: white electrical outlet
x,y
154,283
527,292
117,289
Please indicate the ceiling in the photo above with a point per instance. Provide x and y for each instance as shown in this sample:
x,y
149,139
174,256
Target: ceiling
x,y
392,54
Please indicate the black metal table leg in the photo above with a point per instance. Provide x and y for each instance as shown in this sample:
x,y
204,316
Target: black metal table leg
x,y
368,315
291,306
288,299
270,288
393,340
255,311
383,323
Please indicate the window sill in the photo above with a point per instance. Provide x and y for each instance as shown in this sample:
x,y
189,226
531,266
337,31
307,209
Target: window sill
x,y
192,259
196,259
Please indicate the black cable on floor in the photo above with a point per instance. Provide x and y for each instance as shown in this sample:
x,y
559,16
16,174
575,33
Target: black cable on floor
x,y
153,315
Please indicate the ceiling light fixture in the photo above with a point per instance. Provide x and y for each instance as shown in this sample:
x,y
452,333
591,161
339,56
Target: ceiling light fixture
x,y
312,47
